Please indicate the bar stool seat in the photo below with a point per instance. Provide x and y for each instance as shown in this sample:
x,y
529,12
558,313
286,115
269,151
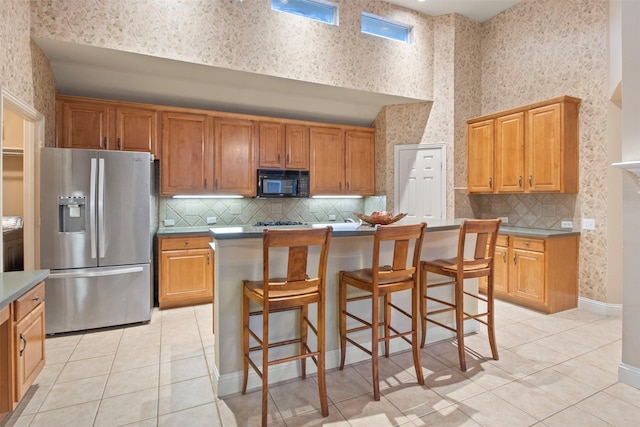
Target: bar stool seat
x,y
381,281
480,264
296,292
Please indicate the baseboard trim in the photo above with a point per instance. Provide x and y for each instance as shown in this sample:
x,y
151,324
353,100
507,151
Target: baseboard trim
x,y
629,375
606,309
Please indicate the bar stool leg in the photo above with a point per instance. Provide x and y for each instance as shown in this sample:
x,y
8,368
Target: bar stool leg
x,y
459,301
423,307
265,366
415,313
374,345
245,343
490,319
322,383
342,298
387,323
304,333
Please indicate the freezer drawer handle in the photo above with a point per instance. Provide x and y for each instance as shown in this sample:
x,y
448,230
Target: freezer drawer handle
x,y
72,274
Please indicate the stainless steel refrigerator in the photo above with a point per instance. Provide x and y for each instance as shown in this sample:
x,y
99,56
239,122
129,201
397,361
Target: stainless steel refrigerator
x,y
95,238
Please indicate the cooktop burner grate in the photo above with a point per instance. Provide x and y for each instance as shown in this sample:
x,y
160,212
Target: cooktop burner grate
x,y
274,223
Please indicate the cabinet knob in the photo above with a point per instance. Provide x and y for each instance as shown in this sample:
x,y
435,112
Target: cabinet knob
x,y
36,298
186,243
526,243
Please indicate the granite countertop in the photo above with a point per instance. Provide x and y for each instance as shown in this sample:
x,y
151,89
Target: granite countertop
x,y
15,283
250,231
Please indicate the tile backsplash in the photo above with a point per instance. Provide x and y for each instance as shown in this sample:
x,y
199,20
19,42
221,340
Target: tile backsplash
x,y
194,212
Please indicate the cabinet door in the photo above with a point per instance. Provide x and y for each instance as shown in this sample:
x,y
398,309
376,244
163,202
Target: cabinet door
x,y
297,147
509,154
271,146
480,157
187,157
186,273
360,163
527,277
6,368
85,125
326,165
501,270
29,345
544,148
235,158
136,130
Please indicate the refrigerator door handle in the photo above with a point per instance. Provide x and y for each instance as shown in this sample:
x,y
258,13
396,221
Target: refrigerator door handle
x,y
76,274
93,241
101,233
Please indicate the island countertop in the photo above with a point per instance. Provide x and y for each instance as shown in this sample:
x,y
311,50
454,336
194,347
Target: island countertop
x,y
15,283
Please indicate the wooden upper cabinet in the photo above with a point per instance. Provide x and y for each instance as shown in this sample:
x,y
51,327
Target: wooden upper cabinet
x,y
136,129
271,145
283,146
187,161
527,149
360,161
327,161
235,156
509,153
84,125
480,157
106,125
297,147
552,148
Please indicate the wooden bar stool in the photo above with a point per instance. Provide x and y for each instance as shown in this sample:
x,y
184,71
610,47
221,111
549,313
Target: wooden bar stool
x,y
381,281
294,292
459,268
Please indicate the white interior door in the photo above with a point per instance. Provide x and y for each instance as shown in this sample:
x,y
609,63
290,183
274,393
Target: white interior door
x,y
420,181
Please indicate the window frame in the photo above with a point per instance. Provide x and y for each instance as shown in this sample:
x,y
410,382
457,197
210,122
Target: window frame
x,y
373,17
322,3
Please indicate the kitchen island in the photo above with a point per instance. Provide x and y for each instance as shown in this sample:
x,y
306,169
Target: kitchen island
x,y
238,256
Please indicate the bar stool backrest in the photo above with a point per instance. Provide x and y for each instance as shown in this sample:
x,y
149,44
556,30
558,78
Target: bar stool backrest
x,y
486,234
402,235
298,242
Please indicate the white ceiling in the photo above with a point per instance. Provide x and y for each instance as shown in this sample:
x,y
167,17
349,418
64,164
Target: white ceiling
x,y
478,10
111,74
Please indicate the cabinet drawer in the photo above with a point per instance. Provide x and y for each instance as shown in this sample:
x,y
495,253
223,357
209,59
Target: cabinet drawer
x,y
29,301
502,240
196,242
528,244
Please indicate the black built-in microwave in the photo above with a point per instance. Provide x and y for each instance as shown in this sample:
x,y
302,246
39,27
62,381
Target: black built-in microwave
x,y
283,183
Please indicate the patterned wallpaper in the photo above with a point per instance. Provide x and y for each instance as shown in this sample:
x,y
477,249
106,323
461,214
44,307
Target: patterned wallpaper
x,y
24,70
536,50
541,49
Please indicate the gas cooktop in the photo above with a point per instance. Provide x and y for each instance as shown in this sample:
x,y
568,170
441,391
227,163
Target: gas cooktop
x,y
274,223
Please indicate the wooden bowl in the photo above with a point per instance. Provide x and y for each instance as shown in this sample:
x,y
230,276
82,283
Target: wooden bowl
x,y
380,219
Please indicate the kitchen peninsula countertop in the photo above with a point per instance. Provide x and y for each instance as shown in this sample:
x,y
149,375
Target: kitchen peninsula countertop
x,y
250,231
15,283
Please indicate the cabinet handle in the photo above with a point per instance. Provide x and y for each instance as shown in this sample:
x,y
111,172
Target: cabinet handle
x,y
526,244
205,183
504,257
490,182
278,158
340,185
186,243
288,159
530,180
208,259
216,186
104,143
520,181
347,186
36,298
119,144
514,259
24,341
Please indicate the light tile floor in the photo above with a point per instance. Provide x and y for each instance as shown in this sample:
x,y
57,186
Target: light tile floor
x,y
554,370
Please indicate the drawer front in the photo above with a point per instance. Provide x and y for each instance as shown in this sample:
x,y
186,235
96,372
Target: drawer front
x,y
179,243
29,301
502,240
528,244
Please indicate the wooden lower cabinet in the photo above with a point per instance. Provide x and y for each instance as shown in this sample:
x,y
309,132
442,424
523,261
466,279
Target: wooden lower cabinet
x,y
540,273
186,271
29,345
22,346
